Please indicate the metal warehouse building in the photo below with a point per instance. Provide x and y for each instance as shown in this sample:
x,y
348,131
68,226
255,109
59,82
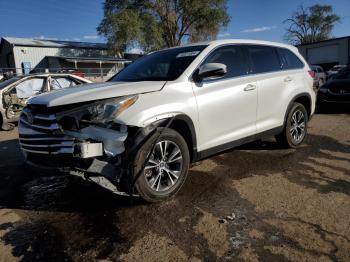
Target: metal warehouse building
x,y
327,53
24,55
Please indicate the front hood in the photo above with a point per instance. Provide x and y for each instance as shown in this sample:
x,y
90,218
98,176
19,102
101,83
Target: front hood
x,y
90,92
338,86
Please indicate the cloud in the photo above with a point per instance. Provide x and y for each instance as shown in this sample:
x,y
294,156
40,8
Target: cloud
x,y
90,37
259,29
42,37
224,35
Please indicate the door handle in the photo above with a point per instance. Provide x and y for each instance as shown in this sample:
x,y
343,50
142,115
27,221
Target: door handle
x,y
250,87
288,79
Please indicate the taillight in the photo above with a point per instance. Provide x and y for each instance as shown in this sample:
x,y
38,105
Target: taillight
x,y
312,73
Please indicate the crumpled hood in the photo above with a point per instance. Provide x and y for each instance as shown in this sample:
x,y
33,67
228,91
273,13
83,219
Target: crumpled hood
x,y
90,92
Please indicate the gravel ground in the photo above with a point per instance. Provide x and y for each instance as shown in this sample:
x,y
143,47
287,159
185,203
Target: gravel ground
x,y
255,203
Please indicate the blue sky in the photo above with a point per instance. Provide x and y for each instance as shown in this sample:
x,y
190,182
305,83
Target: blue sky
x,y
77,20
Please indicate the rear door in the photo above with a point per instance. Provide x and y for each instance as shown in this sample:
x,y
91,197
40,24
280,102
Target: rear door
x,y
274,85
227,105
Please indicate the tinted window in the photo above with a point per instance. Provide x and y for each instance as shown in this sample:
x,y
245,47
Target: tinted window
x,y
290,60
264,59
232,57
165,65
8,82
345,75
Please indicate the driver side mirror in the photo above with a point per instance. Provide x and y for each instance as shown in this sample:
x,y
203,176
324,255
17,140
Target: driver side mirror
x,y
210,70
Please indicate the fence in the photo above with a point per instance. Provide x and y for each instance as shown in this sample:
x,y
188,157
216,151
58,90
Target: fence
x,y
93,74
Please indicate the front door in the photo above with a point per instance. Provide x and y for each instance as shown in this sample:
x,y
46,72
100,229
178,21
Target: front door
x,y
226,105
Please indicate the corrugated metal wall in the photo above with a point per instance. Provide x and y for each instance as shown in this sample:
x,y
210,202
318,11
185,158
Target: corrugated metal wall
x,y
36,55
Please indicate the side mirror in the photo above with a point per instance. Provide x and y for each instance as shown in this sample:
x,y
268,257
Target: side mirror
x,y
211,70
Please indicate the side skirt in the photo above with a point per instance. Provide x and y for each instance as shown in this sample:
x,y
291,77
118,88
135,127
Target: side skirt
x,y
230,145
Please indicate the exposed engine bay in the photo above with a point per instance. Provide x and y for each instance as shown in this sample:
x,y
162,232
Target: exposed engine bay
x,y
13,105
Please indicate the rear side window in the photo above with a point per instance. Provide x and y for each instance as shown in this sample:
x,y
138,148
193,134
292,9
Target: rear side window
x,y
231,56
264,59
290,60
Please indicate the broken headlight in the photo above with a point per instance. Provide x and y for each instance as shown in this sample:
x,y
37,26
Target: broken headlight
x,y
108,111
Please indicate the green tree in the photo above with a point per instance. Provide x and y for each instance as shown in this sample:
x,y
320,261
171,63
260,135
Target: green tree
x,y
312,24
154,24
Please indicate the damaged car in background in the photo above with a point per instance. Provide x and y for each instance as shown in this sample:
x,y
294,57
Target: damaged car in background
x,y
137,133
15,92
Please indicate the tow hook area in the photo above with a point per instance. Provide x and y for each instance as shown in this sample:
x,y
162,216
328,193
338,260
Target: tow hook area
x,y
88,150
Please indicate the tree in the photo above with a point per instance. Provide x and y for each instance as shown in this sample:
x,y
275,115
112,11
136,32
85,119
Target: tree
x,y
312,24
154,24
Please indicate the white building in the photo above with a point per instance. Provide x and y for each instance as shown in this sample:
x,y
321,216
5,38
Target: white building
x,y
327,53
24,55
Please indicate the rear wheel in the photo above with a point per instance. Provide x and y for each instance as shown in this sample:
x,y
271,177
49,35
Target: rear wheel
x,y
166,169
295,128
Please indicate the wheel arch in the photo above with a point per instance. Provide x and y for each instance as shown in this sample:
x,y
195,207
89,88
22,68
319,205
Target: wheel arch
x,y
185,127
302,98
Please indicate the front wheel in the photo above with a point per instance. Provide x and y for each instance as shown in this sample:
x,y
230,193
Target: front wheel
x,y
166,169
295,128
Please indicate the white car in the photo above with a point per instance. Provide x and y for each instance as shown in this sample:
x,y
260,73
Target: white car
x,y
320,76
15,92
139,132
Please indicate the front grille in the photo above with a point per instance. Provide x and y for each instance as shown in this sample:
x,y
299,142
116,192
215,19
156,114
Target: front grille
x,y
40,134
39,122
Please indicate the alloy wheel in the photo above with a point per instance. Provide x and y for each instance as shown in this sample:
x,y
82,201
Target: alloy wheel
x,y
297,126
164,166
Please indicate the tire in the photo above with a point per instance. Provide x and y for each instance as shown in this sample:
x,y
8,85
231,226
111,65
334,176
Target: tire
x,y
164,174
293,135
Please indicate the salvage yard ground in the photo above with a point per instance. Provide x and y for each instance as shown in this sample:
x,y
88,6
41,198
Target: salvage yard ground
x,y
255,203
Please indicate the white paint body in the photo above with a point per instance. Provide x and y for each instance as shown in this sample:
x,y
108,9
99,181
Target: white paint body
x,y
222,111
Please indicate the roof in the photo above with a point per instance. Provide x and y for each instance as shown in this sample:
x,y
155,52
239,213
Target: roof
x,y
52,43
328,40
242,41
105,59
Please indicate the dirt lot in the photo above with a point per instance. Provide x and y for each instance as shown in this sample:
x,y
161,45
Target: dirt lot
x,y
256,203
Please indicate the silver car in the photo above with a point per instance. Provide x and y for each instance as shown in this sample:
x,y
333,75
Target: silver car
x,y
320,76
15,92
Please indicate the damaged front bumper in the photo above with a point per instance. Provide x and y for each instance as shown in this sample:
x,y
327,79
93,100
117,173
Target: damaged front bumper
x,y
93,150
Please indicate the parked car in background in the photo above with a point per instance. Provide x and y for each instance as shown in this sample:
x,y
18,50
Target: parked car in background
x,y
15,92
320,76
139,132
336,90
335,70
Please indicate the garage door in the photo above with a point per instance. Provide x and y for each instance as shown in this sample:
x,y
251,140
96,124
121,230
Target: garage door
x,y
324,54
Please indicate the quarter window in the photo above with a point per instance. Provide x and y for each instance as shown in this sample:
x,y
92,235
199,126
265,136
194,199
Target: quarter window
x,y
232,57
61,82
290,60
264,59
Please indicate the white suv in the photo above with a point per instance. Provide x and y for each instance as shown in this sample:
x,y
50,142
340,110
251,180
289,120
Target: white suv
x,y
139,132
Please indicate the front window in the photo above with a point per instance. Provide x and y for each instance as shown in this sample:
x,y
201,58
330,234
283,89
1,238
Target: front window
x,y
165,65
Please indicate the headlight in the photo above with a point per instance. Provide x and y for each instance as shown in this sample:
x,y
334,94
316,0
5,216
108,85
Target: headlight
x,y
108,111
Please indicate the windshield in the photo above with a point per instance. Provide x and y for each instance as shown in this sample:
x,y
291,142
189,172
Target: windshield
x,y
8,82
165,65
